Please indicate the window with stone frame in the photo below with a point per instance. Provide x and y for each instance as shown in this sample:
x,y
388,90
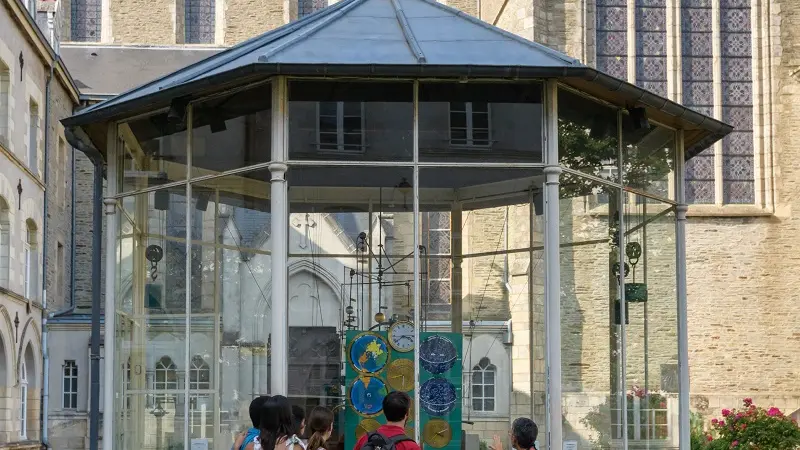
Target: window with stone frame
x,y
483,384
85,20
33,137
436,287
201,421
469,124
340,127
724,173
199,21
70,385
5,108
23,401
306,7
5,243
31,255
165,378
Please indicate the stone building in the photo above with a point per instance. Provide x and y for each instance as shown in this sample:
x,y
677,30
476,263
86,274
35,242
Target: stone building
x,y
731,59
36,92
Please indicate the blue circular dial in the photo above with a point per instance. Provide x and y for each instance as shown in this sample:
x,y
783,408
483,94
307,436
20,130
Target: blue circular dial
x,y
438,397
366,395
437,354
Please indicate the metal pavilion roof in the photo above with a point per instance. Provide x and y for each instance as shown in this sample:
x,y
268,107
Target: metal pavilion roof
x,y
395,38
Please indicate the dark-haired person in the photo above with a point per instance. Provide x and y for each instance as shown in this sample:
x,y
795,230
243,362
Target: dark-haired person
x,y
276,427
391,436
523,435
320,427
255,416
299,417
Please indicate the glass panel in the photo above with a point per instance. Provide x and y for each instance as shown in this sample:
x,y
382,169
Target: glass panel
x,y
232,131
648,158
651,330
587,137
472,287
350,270
231,304
590,325
499,122
150,323
380,115
152,151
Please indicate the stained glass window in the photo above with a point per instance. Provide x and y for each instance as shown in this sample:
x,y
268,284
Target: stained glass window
x,y
737,102
306,7
651,45
612,37
199,21
698,90
85,20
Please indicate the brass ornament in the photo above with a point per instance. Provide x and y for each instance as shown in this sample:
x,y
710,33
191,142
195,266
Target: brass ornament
x,y
366,426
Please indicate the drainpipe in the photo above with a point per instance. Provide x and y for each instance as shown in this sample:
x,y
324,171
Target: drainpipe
x,y
45,352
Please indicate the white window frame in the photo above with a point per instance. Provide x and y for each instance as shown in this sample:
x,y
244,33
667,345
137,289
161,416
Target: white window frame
x,y
69,373
165,384
200,418
33,137
470,128
23,401
340,146
482,371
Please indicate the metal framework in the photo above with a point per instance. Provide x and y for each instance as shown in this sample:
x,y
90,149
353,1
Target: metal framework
x,y
280,257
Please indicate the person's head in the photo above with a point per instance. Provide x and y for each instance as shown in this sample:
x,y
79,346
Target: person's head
x,y
319,428
396,406
299,417
276,421
523,434
255,409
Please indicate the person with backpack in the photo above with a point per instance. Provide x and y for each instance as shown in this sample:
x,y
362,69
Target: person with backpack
x,y
391,436
523,435
248,436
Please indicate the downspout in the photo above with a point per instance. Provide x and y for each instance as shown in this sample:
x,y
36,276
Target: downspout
x,y
45,353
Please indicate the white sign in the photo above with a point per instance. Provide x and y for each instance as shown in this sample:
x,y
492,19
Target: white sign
x,y
199,444
568,445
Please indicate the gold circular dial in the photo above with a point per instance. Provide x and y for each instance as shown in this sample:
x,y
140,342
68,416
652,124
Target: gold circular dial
x,y
400,375
437,433
366,426
410,432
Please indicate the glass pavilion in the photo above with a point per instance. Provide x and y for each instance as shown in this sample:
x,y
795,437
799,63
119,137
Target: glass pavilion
x,y
384,161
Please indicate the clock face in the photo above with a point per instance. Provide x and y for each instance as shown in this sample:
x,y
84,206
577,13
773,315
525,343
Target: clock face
x,y
438,397
401,336
437,433
400,375
437,354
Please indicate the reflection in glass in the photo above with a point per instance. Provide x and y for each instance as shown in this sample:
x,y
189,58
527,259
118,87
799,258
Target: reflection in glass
x,y
480,122
229,319
232,131
587,138
590,314
152,152
356,120
651,331
648,158
482,275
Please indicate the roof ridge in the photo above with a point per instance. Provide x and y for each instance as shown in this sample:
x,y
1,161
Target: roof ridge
x,y
408,33
533,44
320,22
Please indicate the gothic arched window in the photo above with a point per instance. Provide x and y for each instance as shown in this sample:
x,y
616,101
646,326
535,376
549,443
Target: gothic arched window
x,y
484,375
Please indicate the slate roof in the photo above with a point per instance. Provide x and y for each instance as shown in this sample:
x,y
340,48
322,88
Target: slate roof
x,y
399,38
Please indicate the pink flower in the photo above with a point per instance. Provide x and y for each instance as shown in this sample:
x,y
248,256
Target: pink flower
x,y
722,423
772,412
714,421
748,401
734,444
709,438
726,412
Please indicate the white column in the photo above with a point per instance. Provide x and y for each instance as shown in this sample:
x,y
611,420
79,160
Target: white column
x,y
680,279
110,279
552,295
279,200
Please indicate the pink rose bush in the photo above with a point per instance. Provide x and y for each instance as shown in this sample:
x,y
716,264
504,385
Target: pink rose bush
x,y
750,427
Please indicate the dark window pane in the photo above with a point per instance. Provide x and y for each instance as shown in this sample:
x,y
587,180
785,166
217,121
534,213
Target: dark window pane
x,y
477,404
488,405
328,108
352,124
327,123
352,109
458,119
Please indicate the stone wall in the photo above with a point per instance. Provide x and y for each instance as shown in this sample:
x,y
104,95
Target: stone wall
x,y
84,190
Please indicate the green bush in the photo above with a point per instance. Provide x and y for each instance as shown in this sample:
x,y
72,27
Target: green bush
x,y
752,427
